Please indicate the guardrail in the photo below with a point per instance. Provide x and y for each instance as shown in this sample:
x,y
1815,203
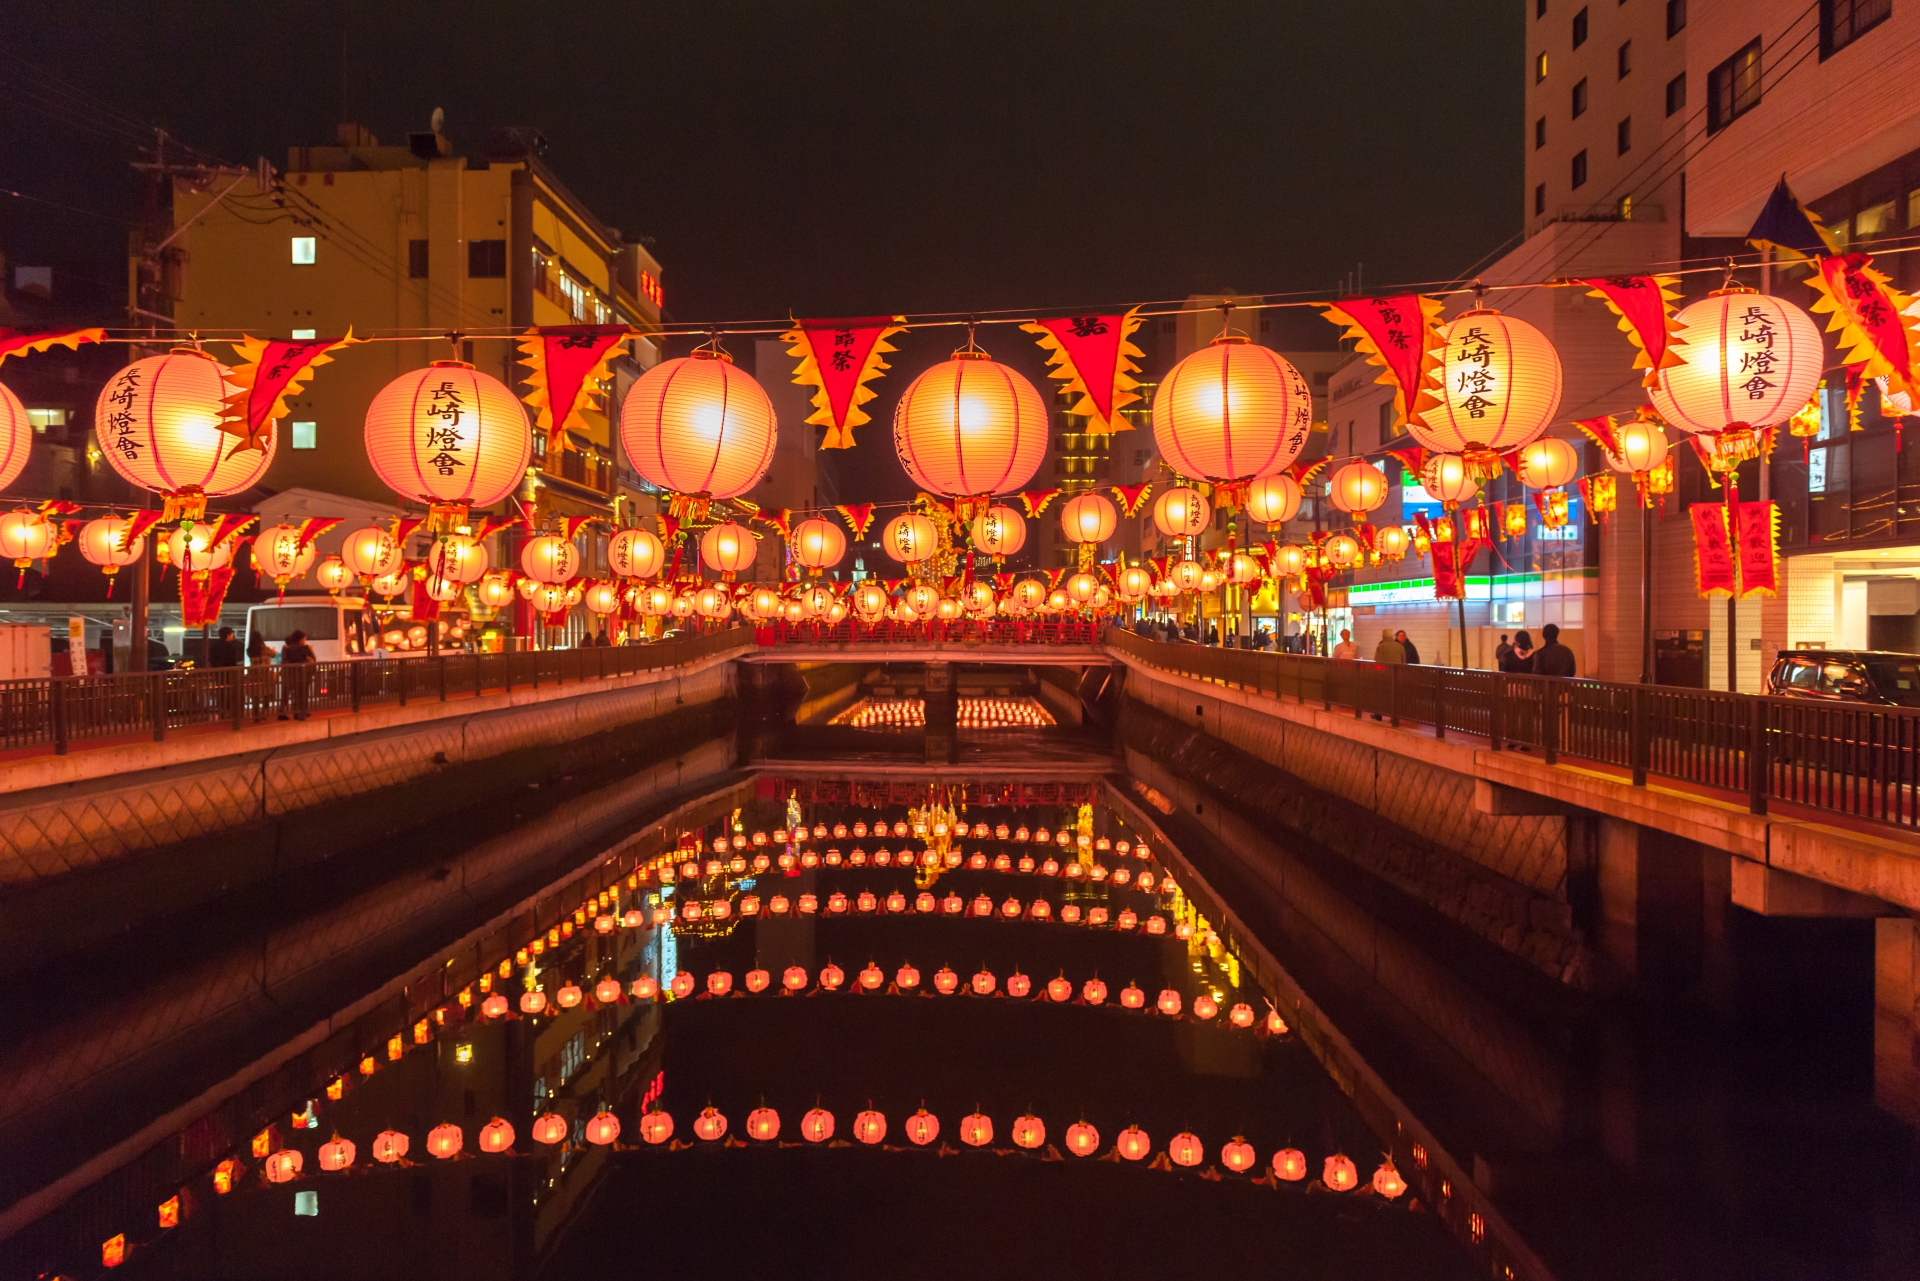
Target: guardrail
x,y
1012,631
63,710
1853,759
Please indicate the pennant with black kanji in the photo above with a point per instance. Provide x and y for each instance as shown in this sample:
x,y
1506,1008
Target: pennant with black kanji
x,y
269,371
1094,357
565,366
838,358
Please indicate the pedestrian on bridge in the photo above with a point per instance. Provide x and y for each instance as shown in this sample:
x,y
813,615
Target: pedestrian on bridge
x,y
1389,650
1346,649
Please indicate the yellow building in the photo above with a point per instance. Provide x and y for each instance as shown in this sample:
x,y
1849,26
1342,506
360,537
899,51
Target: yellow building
x,y
462,251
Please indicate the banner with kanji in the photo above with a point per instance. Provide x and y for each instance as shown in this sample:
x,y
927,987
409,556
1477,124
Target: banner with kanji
x,y
1756,537
1644,305
1399,334
838,358
565,364
1875,334
201,596
1094,357
269,371
23,342
1450,564
1713,565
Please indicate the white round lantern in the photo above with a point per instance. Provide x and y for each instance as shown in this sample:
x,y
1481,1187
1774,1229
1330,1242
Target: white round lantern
x,y
449,436
495,591
602,598
1500,388
1289,559
1081,588
635,553
1274,498
1547,463
158,423
1181,512
1232,410
910,537
698,425
1188,575
970,426
999,531
1448,480
1643,446
1342,550
16,437
1088,518
372,551
1134,583
457,558
728,548
819,544
549,558
1357,488
190,550
26,535
103,542
1748,361
333,574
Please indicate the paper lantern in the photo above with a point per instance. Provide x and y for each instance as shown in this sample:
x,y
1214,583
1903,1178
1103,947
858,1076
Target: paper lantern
x,y
568,996
946,982
984,982
1448,479
869,599
682,985
1205,1007
1029,1131
1169,1002
1242,569
763,1123
494,1007
646,987
1081,588
656,1128
819,544
1241,1015
27,536
635,553
869,1126
922,1128
1082,1139
1357,488
390,1146
710,1125
699,426
601,598
1094,992
1341,551
1186,1149
1290,1165
549,558
1643,446
496,1135
719,983
1747,361
603,1128
607,991
999,531
1133,1143
158,423
449,436
1134,582
532,1002
1274,498
277,553
970,426
445,1140
1387,1181
831,975
1339,1174
188,548
1018,984
16,437
1232,410
817,1125
1547,463
794,979
976,1130
1181,512
906,978
548,1128
1088,518
728,548
102,542
911,538
372,552
283,1165
1238,1155
1500,388
336,1154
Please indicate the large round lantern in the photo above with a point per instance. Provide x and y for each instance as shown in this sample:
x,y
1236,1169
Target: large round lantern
x,y
548,598
1547,463
1028,593
1029,1131
655,601
457,558
549,558
277,553
1232,410
1448,479
372,552
910,537
1747,361
187,548
602,599
699,426
635,553
1274,498
970,426
1242,569
922,599
712,602
817,1125
16,437
818,544
158,423
870,600
1081,588
1500,388
103,542
449,436
763,1123
1643,446
999,531
1186,1149
1187,575
26,536
656,1128
1180,512
496,1135
728,548
1357,488
602,1128
1289,559
1391,541
1134,582
1088,518
333,574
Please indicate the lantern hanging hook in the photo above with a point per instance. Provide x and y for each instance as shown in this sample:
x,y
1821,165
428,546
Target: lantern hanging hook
x,y
712,344
453,341
972,347
1727,270
1479,295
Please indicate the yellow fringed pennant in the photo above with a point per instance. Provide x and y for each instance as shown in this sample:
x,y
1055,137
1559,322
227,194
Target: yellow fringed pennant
x,y
838,358
565,364
1094,357
1876,336
1401,335
1644,306
269,371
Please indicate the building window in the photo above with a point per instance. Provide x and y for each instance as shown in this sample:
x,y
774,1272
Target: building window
x,y
1579,28
1913,208
1874,222
1676,17
1540,198
1623,135
416,260
1386,419
1540,133
45,418
305,335
1540,68
1844,21
1677,93
487,259
1580,168
1539,8
303,251
304,435
1733,87
1623,61
1580,99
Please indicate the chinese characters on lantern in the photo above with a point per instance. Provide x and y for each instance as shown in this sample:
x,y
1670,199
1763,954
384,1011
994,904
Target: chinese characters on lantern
x,y
1477,378
1757,361
445,403
121,422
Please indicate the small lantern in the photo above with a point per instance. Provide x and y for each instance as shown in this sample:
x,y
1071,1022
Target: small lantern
x,y
1029,1131
1082,1139
710,1125
1357,488
763,1123
1059,989
284,1165
817,1125
1290,1165
1241,1015
869,1126
1205,1007
1019,985
1387,1181
984,982
1169,1003
1339,1174
445,1140
922,1128
1094,992
549,1128
1132,998
1513,518
1186,1149
976,1130
656,1128
496,1135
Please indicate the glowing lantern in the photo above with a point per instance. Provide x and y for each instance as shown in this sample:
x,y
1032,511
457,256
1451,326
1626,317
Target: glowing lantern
x,y
710,1124
906,978
719,983
1643,446
568,997
1081,588
1029,1131
602,598
1242,569
1232,410
549,1128
1339,1174
1448,479
1134,583
645,988
699,426
16,437
448,436
1547,463
757,980
1357,488
336,1154
946,982
277,553
817,1125
26,536
656,1128
635,553
1205,1007
494,1007
390,1146
922,1128
1274,499
549,558
1500,388
1241,1015
869,1126
832,976
1387,1181
158,423
1289,560
763,1123
188,548
869,599
970,426
818,544
1186,575
532,1002
1341,550
999,531
655,601
372,552
1169,1002
1290,1164
1019,985
728,548
1082,1139
911,538
976,1130
1391,541
1088,518
1728,335
984,982
682,986
496,1135
283,1165
445,1140
712,602
334,575
794,979
1186,1149
457,558
1133,1143
602,1128
1181,512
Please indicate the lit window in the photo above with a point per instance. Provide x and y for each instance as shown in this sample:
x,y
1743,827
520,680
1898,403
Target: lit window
x,y
1540,68
303,251
304,435
1816,471
305,334
1874,222
1733,87
45,418
307,1203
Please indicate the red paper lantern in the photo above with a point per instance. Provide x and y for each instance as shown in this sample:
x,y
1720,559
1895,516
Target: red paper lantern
x,y
568,997
1232,410
970,426
831,977
1186,1149
496,1135
445,1140
682,985
906,978
946,982
1029,1131
872,978
549,1128
1132,998
922,1128
16,437
976,1130
1500,388
763,1123
1058,989
1019,984
1290,1164
1082,1139
636,553
1387,1181
532,1002
656,1128
390,1146
984,982
1727,336
698,425
1169,1002
1339,1174
1238,1155
284,1165
817,1125
1094,992
1205,1007
869,1126
710,1124
645,988
449,436
794,979
1241,1015
758,981
607,991
1088,518
336,1154
1133,1143
819,544
603,1128
719,983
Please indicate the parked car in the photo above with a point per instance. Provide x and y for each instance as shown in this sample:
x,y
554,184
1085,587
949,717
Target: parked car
x,y
1847,676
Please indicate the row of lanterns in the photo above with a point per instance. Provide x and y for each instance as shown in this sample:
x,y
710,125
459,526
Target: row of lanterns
x,y
938,828
831,978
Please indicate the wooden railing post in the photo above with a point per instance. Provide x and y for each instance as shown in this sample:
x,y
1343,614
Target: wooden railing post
x,y
1393,692
442,660
398,666
157,690
1550,720
1759,755
237,683
58,697
1440,702
1639,748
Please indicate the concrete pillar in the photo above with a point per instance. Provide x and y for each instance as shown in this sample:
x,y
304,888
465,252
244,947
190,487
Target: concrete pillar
x,y
1652,892
1896,1017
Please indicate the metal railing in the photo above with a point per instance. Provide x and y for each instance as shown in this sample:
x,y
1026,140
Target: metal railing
x,y
1013,631
57,712
1854,759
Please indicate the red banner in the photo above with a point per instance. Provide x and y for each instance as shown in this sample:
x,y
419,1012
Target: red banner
x,y
858,517
1756,533
779,518
201,596
1644,305
1094,357
1712,550
1132,496
1450,564
838,358
1601,432
269,371
1036,500
22,342
1397,334
314,526
425,607
1868,314
563,364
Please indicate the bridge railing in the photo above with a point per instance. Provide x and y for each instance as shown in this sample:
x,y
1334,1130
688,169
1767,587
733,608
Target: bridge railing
x,y
1010,631
63,710
1854,759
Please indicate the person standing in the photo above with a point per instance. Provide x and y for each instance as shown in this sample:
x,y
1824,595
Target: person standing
x,y
224,651
1519,659
1413,655
1501,651
258,655
1390,650
1346,650
1553,658
294,684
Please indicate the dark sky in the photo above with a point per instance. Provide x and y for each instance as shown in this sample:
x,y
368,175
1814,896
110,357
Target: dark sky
x,y
840,158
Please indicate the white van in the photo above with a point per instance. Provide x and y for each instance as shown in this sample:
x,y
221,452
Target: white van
x,y
345,627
